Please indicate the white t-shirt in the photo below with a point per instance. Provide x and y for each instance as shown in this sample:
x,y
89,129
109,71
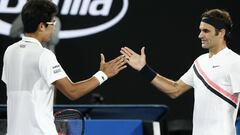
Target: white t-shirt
x,y
29,71
216,83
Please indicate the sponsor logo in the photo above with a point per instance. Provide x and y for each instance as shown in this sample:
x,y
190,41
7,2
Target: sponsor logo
x,y
56,66
215,66
73,8
57,71
22,46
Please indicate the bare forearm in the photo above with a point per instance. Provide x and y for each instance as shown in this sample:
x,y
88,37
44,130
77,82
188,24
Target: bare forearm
x,y
138,62
76,90
83,87
170,87
166,85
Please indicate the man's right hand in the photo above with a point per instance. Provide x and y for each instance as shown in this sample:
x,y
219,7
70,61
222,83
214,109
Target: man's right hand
x,y
135,60
112,67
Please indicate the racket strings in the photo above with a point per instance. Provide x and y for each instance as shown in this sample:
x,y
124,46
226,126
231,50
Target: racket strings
x,y
68,114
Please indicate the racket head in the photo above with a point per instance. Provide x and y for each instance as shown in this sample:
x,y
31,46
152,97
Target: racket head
x,y
63,116
68,114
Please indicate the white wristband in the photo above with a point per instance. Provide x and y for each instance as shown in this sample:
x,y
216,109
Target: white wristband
x,y
101,76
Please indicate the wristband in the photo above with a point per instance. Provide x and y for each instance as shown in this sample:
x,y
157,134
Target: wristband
x,y
148,73
101,77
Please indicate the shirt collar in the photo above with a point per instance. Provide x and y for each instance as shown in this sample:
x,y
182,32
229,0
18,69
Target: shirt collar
x,y
32,40
222,52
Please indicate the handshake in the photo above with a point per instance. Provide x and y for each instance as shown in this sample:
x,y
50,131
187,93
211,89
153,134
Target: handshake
x,y
113,67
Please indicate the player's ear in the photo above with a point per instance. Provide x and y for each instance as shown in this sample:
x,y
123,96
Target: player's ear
x,y
41,26
222,32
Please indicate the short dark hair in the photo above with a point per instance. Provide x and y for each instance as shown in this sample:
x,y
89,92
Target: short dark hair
x,y
222,16
36,11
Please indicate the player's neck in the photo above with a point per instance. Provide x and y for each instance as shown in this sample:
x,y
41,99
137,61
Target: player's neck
x,y
34,35
216,49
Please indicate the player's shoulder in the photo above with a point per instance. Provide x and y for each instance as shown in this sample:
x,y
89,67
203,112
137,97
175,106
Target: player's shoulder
x,y
47,53
12,46
233,54
202,56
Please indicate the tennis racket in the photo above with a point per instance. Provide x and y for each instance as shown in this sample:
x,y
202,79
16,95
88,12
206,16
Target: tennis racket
x,y
63,116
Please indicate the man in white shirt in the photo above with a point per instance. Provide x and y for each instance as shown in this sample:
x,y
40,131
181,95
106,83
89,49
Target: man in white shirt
x,y
17,31
215,77
31,72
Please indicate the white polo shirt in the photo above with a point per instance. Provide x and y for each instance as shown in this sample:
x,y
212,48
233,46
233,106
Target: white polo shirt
x,y
216,83
29,71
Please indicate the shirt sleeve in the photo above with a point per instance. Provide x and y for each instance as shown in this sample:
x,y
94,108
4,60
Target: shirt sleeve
x,y
49,67
234,75
188,77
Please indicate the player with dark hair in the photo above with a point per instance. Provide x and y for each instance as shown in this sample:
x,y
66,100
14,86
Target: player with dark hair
x,y
215,77
30,73
17,31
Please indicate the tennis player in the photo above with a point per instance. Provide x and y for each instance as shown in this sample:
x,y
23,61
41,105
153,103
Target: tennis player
x,y
17,30
215,77
30,72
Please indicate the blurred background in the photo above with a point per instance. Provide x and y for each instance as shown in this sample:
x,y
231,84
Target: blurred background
x,y
168,29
